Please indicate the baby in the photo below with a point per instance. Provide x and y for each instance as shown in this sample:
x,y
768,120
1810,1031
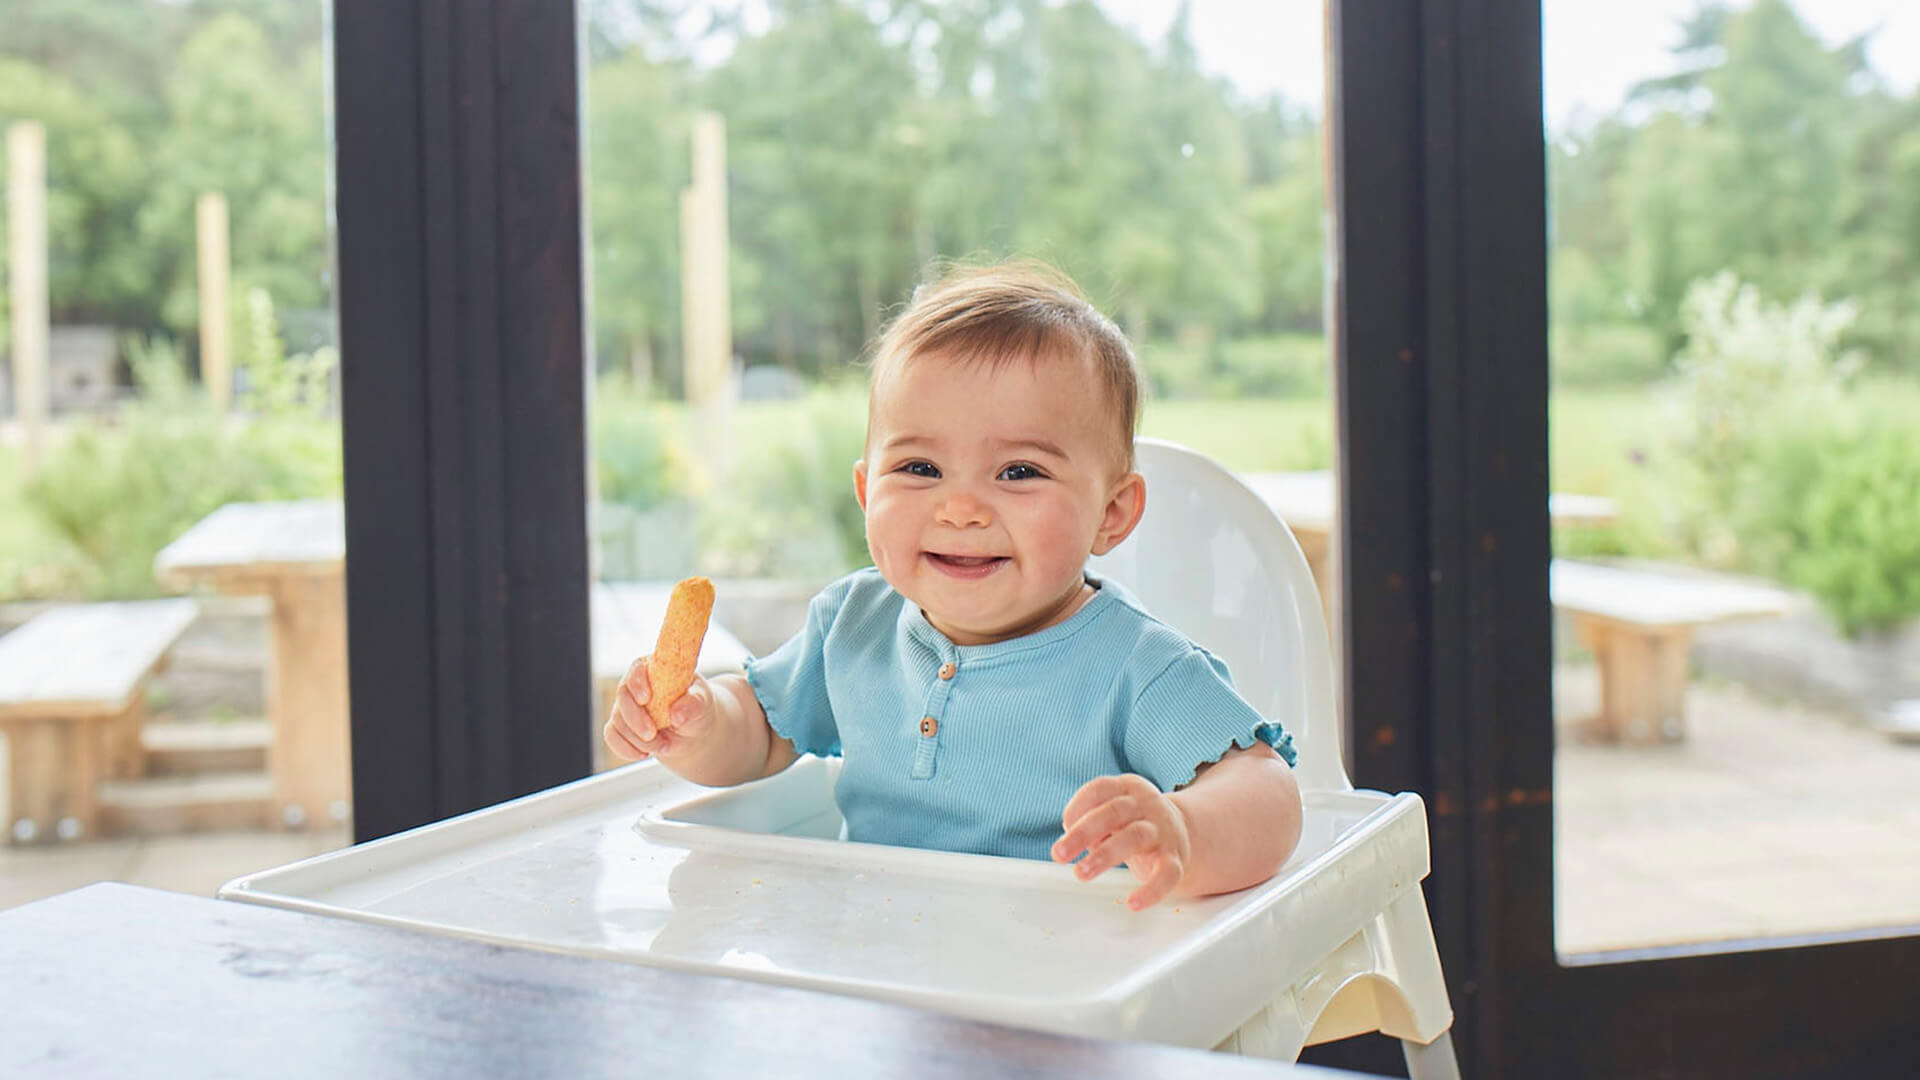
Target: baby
x,y
986,692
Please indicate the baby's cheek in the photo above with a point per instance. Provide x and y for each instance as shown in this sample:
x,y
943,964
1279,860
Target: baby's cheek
x,y
1064,540
887,536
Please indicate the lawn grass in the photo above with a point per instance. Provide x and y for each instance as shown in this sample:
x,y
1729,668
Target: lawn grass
x,y
1249,435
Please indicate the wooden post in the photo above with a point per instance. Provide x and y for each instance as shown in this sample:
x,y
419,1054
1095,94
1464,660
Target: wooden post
x,y
216,315
310,760
27,277
705,304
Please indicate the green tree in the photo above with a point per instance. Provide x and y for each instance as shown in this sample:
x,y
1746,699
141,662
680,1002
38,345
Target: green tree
x,y
1193,173
638,161
95,180
244,126
819,180
1878,257
1742,170
1284,210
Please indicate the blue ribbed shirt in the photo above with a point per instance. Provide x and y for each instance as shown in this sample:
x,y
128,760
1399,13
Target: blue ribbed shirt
x,y
978,748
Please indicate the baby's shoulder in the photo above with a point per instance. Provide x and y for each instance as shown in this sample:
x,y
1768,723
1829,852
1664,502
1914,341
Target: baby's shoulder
x,y
861,598
1143,645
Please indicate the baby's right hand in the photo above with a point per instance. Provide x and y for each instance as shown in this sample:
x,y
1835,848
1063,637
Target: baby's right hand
x,y
630,732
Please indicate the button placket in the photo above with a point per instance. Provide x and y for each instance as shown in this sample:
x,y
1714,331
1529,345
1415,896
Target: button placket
x,y
926,748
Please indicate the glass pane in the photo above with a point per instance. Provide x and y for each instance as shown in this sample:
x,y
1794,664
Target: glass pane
x,y
172,431
767,187
1735,208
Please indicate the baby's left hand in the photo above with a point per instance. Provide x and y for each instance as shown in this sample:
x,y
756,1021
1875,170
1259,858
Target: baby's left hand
x,y
1116,819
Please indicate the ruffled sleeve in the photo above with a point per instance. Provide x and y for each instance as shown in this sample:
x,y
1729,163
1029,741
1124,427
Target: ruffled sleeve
x,y
791,681
1189,716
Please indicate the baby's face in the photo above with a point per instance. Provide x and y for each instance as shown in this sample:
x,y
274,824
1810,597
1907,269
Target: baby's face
x,y
986,490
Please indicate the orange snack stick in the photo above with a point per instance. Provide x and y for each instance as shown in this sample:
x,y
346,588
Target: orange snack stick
x,y
670,668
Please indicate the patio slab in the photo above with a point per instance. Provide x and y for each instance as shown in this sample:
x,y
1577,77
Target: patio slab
x,y
1771,818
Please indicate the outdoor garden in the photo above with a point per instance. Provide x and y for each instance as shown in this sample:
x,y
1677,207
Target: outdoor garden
x,y
1734,345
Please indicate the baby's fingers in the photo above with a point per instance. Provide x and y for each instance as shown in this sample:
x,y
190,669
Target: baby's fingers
x,y
635,680
693,713
633,713
1166,875
1136,836
618,742
1095,825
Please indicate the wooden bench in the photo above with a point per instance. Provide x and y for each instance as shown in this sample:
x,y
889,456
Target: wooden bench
x,y
1639,625
72,699
626,624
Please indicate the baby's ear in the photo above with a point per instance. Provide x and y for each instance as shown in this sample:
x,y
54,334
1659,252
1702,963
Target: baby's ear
x,y
1124,508
860,484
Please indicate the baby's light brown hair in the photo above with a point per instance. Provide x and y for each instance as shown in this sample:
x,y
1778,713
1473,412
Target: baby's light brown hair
x,y
1016,311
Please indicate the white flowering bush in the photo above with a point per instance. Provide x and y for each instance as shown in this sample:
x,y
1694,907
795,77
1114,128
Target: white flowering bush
x,y
1746,359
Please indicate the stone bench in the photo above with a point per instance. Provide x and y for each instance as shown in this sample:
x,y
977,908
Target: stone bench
x,y
1639,625
72,700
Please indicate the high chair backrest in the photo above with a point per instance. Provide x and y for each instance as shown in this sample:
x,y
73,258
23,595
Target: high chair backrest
x,y
1212,560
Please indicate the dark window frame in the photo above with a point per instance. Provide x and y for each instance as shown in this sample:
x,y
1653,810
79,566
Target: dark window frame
x,y
463,386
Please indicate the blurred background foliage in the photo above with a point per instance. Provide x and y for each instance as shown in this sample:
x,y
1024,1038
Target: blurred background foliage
x,y
1758,210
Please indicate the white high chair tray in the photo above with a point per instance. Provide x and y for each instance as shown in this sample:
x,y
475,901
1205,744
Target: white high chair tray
x,y
635,865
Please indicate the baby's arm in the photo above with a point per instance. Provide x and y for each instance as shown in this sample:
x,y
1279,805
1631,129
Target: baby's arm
x,y
1233,826
1243,815
719,734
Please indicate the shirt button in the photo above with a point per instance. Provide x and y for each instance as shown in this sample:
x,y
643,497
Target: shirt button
x,y
947,669
929,726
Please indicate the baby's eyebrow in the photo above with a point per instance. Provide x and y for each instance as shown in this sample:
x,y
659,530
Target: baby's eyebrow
x,y
901,441
1041,445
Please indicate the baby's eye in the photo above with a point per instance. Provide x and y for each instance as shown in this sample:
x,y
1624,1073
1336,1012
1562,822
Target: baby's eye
x,y
1021,471
925,469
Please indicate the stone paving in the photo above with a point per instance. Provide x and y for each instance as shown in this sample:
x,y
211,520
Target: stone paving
x,y
1769,819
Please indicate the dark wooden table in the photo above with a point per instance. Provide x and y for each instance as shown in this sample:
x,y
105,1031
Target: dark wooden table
x,y
114,980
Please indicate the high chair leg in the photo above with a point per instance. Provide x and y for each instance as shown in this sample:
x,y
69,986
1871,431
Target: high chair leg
x,y
1431,1061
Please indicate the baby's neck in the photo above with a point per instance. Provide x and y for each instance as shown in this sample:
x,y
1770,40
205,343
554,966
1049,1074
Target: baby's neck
x,y
1054,615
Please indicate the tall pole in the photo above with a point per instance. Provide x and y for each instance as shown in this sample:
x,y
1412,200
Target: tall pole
x,y
705,304
27,262
216,319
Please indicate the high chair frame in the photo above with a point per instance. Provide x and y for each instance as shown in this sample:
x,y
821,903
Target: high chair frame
x,y
1213,560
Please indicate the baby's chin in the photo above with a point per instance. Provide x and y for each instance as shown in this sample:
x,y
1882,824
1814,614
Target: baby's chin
x,y
968,627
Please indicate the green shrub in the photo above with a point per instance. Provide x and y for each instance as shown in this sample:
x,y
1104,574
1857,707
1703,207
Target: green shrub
x,y
1831,503
636,462
789,510
273,383
1746,359
120,493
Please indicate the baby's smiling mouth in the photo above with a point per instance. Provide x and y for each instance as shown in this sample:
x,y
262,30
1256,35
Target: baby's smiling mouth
x,y
966,565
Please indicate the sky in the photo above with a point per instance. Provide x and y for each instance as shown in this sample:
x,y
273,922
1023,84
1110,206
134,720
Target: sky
x,y
1594,49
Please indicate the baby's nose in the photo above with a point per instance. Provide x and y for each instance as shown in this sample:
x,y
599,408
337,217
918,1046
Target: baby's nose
x,y
962,510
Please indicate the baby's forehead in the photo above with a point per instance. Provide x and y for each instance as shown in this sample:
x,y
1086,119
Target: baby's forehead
x,y
1061,397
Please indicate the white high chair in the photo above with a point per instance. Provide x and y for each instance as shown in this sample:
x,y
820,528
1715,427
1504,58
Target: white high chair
x,y
1211,559
753,882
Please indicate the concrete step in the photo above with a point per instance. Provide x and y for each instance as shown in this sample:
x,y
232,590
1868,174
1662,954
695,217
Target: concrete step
x,y
186,749
162,805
